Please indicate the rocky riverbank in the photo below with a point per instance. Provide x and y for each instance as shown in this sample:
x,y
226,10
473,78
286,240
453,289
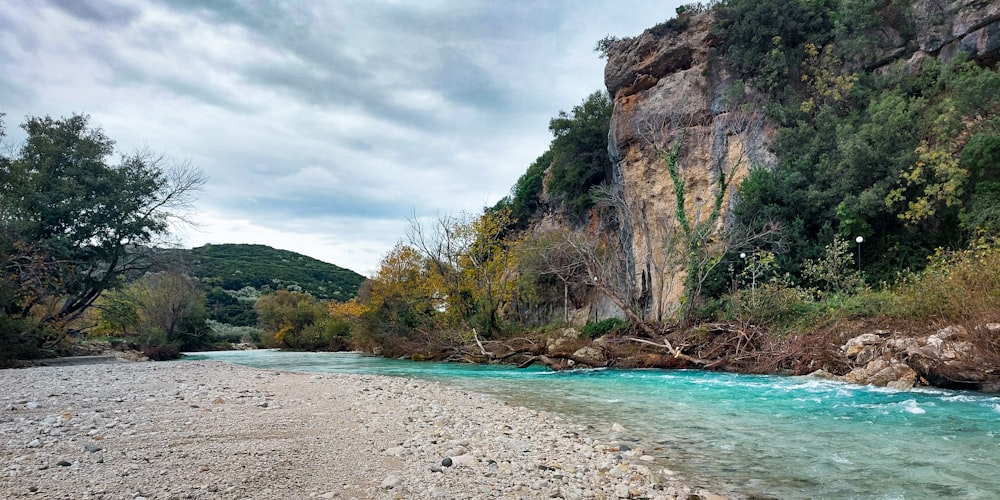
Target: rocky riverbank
x,y
212,430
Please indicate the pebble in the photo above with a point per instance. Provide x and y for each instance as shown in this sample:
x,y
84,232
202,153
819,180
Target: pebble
x,y
198,429
391,482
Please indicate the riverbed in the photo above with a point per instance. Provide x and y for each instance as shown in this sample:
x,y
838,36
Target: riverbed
x,y
743,435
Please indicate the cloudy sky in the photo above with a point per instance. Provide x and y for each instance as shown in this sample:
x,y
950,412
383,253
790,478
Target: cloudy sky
x,y
321,125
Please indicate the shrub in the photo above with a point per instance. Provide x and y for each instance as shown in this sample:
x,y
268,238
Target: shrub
x,y
776,303
160,352
233,334
604,327
956,286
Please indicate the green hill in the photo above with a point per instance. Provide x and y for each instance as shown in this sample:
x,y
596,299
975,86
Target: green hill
x,y
236,266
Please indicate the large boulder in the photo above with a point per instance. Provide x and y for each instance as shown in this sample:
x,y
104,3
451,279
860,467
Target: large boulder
x,y
591,352
947,359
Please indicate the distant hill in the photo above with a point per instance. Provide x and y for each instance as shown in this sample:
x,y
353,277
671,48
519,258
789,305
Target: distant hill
x,y
235,266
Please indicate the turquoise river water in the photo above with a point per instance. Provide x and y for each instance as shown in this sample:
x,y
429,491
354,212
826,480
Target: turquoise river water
x,y
744,435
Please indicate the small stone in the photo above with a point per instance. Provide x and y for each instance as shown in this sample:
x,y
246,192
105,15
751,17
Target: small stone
x,y
616,427
32,405
34,443
622,491
396,451
63,463
391,482
540,484
92,448
446,462
465,460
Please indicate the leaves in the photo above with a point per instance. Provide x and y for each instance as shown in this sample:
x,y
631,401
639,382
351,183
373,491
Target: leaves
x,y
79,219
938,180
579,151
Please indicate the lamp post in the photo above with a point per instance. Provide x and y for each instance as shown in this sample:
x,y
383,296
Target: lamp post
x,y
859,239
753,274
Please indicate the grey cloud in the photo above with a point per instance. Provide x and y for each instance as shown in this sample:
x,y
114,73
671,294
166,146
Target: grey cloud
x,y
319,120
99,12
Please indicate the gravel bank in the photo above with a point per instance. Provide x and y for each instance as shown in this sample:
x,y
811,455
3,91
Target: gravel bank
x,y
207,429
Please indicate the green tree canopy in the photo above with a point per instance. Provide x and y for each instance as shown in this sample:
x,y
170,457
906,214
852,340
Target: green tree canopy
x,y
73,222
579,150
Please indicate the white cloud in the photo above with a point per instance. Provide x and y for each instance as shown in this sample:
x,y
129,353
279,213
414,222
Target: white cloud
x,y
321,125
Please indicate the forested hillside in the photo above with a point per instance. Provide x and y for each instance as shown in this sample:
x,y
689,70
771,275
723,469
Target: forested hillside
x,y
235,266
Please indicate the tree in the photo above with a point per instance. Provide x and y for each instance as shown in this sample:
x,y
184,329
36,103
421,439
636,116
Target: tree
x,y
546,254
164,312
172,303
73,223
524,201
763,39
402,300
468,266
297,320
579,148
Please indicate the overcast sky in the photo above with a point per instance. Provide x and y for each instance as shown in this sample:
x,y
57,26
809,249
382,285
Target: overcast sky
x,y
321,125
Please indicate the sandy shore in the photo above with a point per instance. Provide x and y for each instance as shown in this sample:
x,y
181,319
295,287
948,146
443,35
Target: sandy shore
x,y
207,429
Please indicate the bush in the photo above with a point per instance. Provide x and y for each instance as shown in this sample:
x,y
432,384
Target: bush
x,y
956,286
776,304
19,339
604,327
232,334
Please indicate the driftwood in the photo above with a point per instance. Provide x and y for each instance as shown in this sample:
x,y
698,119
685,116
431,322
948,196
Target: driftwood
x,y
679,354
555,361
567,361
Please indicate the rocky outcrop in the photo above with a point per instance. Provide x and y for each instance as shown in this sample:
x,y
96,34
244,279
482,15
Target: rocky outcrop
x,y
668,86
944,28
945,359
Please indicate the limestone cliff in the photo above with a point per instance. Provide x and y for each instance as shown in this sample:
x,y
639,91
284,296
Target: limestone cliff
x,y
670,87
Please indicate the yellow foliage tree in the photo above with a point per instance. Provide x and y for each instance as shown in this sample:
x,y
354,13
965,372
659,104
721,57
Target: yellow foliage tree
x,y
938,179
823,78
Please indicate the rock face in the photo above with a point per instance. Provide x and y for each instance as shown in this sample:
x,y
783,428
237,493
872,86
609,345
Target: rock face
x,y
945,28
668,85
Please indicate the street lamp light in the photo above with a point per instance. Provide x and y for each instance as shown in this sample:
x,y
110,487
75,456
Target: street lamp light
x,y
859,239
753,266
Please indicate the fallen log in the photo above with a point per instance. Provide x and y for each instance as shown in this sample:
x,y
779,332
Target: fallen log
x,y
565,361
679,354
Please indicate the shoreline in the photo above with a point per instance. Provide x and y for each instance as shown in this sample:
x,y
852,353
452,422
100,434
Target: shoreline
x,y
208,429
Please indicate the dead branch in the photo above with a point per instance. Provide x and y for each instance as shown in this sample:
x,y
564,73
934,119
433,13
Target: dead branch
x,y
565,361
489,355
677,353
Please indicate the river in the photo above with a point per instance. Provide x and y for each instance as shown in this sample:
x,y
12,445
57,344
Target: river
x,y
745,435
